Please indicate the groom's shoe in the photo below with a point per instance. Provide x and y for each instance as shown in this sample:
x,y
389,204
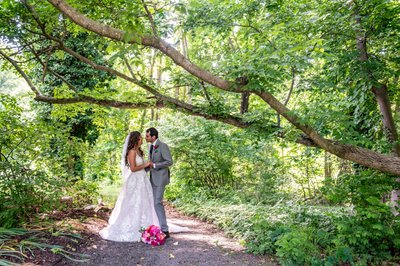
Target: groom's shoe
x,y
166,234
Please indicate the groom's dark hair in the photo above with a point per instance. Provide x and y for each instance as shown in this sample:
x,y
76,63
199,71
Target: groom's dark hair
x,y
153,132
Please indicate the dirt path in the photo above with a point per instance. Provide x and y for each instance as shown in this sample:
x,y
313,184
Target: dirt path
x,y
204,244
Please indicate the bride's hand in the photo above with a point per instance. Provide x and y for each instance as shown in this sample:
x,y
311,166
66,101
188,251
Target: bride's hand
x,y
147,164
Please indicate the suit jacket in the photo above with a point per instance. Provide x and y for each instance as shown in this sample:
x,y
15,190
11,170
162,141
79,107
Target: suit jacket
x,y
161,157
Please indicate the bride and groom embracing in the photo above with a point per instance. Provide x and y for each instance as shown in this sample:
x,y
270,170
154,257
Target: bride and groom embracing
x,y
139,203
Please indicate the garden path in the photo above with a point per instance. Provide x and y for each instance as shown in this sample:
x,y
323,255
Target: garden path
x,y
204,244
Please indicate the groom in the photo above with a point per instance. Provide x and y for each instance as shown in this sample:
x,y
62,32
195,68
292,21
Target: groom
x,y
161,160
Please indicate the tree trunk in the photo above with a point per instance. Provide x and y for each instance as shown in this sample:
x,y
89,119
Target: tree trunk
x,y
389,126
288,95
381,93
142,120
159,82
244,107
327,166
187,96
382,98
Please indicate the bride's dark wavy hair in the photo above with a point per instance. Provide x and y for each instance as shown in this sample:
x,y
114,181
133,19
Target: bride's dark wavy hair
x,y
133,141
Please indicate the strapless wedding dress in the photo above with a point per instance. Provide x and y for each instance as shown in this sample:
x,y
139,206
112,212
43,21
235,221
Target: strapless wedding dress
x,y
133,210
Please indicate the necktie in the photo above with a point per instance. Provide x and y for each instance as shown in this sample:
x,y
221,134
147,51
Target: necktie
x,y
151,150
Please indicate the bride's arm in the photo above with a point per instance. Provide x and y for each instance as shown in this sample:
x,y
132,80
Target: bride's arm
x,y
132,162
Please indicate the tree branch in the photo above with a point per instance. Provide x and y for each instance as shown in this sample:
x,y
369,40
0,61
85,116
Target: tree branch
x,y
206,93
289,93
45,67
349,152
380,92
151,41
88,99
153,25
353,153
21,72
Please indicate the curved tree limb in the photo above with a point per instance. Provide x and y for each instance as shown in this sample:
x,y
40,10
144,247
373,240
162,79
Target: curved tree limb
x,y
21,72
150,41
350,152
372,159
45,69
150,17
88,99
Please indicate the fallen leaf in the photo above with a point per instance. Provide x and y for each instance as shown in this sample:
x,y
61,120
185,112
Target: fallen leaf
x,y
172,256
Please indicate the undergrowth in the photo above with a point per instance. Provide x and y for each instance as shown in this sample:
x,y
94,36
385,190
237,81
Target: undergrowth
x,y
296,233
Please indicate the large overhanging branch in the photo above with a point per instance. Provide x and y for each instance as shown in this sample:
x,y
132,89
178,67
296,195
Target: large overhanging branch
x,y
226,118
191,109
80,98
87,99
350,152
375,160
162,100
146,40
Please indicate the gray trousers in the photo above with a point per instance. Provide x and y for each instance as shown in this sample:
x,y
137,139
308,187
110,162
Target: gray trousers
x,y
158,194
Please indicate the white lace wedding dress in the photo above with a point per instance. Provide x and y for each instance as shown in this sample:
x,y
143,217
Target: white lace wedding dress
x,y
134,208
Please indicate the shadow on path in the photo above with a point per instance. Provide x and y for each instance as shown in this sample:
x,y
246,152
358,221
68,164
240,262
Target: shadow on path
x,y
204,244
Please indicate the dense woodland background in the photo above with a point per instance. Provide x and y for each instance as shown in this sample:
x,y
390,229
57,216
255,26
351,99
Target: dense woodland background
x,y
281,116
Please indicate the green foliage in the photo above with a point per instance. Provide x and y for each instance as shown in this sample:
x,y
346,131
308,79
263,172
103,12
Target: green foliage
x,y
297,233
25,193
297,248
33,168
102,162
24,189
304,234
262,237
244,180
217,157
199,161
371,232
83,192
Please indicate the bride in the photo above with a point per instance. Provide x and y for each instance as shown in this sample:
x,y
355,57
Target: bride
x,y
135,207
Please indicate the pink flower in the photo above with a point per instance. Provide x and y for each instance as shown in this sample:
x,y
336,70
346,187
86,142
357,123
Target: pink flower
x,y
160,238
153,235
153,230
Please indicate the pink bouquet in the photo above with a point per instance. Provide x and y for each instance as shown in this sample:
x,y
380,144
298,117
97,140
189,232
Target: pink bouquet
x,y
153,236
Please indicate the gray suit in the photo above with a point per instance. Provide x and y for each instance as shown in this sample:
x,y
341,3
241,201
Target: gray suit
x,y
159,178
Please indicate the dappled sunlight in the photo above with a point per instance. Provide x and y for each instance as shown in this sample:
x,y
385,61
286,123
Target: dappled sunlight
x,y
203,232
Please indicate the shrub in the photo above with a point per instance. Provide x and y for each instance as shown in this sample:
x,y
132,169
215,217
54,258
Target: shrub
x,y
297,248
24,192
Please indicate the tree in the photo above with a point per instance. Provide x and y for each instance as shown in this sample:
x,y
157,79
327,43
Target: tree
x,y
256,48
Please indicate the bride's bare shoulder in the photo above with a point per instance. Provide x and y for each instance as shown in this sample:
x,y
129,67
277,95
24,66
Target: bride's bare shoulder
x,y
132,152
